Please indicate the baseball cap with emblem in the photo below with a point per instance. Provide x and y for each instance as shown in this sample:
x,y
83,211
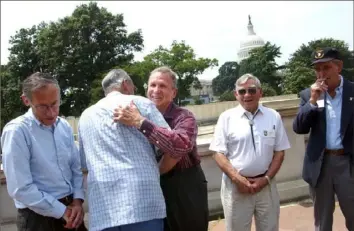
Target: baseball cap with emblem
x,y
325,55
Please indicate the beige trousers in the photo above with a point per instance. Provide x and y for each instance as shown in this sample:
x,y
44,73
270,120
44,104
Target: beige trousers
x,y
240,208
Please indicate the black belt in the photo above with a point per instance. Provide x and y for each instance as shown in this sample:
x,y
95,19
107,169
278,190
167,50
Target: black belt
x,y
67,200
260,175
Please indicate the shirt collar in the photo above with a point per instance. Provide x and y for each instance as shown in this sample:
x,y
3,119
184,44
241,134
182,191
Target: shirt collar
x,y
340,87
169,111
113,93
34,118
240,111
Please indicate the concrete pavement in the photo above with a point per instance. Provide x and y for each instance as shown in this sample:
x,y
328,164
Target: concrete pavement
x,y
293,217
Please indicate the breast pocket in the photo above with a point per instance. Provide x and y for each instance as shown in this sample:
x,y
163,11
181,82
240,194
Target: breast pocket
x,y
268,138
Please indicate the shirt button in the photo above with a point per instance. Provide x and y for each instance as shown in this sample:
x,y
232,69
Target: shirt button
x,y
186,146
157,142
144,131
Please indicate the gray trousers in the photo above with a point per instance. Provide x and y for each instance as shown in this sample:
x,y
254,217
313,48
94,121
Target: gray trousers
x,y
336,178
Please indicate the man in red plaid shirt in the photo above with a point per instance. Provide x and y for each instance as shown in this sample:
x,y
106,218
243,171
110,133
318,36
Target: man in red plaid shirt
x,y
182,179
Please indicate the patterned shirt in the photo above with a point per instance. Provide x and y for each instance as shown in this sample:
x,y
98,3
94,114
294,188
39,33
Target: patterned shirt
x,y
123,174
41,164
181,142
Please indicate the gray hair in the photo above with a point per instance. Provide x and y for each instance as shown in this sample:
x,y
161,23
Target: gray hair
x,y
37,81
244,78
114,79
168,71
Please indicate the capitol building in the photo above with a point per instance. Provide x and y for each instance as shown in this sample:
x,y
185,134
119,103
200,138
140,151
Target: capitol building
x,y
250,42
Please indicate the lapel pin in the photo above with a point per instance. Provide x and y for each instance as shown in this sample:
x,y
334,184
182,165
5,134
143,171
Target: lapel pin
x,y
351,98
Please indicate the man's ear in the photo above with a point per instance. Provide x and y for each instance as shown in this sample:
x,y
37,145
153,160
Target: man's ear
x,y
25,100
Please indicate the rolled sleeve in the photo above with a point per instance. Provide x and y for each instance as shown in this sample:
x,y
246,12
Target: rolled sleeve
x,y
281,138
219,141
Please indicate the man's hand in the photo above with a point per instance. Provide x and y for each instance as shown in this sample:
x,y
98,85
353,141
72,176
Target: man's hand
x,y
128,115
66,217
257,184
167,163
243,185
77,214
316,89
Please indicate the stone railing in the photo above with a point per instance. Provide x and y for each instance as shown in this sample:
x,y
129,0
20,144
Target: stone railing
x,y
289,181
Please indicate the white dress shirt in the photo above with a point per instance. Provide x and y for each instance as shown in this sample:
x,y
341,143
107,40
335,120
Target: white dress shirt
x,y
233,138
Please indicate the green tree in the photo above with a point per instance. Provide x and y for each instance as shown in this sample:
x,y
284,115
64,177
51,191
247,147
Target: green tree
x,y
181,58
299,74
261,63
80,48
227,96
226,79
24,59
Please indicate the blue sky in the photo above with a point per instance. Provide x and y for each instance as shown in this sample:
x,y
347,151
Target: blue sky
x,y
213,29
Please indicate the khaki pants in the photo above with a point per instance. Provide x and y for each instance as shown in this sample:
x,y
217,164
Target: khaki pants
x,y
240,208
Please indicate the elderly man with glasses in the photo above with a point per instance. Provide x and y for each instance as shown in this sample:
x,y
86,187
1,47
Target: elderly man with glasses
x,y
249,144
42,162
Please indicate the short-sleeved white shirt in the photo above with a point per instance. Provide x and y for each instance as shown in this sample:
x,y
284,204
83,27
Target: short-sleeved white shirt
x,y
233,138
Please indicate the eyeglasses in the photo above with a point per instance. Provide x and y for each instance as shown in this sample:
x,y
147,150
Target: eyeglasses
x,y
250,91
45,108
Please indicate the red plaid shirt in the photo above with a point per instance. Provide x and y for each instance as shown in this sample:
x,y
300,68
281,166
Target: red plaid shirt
x,y
181,141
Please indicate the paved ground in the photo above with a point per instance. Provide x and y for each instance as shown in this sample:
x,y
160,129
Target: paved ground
x,y
294,218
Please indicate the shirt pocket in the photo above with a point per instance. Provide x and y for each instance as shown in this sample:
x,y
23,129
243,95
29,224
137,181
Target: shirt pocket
x,y
268,138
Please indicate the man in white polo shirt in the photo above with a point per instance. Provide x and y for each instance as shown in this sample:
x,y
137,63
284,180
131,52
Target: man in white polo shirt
x,y
249,141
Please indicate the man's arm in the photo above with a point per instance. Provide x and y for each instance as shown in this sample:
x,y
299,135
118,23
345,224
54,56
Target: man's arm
x,y
225,166
219,145
20,186
305,117
177,142
78,179
281,144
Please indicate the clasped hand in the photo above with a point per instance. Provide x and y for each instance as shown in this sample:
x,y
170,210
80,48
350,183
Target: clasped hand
x,y
74,215
250,185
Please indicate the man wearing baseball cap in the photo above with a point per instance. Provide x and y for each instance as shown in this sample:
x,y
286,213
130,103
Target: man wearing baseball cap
x,y
326,112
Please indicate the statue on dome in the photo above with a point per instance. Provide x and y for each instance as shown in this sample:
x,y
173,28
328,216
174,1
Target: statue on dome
x,y
249,20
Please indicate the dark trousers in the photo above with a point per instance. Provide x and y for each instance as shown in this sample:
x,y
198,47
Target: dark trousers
x,y
28,220
186,197
336,178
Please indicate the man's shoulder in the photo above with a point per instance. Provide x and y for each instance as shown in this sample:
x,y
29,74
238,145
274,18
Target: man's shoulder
x,y
270,111
305,93
65,123
229,112
141,100
177,110
18,123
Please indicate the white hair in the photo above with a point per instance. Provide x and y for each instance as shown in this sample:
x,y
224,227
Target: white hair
x,y
244,78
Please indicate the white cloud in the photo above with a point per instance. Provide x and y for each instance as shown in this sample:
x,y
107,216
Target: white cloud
x,y
213,29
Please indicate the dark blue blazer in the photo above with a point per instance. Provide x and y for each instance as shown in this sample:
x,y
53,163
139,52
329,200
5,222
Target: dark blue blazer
x,y
314,121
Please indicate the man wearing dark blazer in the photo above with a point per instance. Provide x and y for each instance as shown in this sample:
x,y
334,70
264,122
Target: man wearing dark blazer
x,y
327,112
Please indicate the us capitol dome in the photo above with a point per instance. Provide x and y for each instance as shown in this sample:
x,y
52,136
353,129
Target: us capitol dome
x,y
250,42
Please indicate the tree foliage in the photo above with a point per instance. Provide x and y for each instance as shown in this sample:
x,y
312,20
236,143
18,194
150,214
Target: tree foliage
x,y
182,59
226,79
300,75
80,48
261,63
227,96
